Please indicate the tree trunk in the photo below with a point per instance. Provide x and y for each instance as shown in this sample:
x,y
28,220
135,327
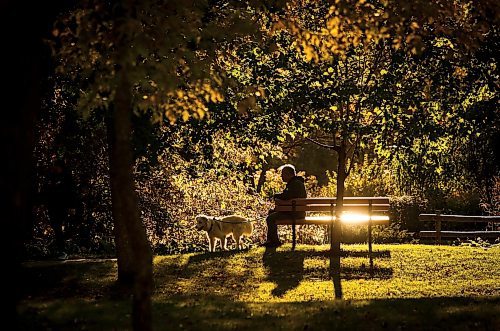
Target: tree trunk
x,y
341,177
25,61
122,243
337,229
16,135
262,179
126,215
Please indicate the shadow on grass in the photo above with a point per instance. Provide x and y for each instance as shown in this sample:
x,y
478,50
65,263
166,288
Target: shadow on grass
x,y
211,255
70,297
345,253
215,312
286,269
375,254
72,279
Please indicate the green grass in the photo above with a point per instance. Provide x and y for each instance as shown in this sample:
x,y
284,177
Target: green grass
x,y
412,287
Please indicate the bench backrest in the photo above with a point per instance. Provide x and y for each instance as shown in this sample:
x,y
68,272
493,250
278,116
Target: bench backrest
x,y
458,218
329,204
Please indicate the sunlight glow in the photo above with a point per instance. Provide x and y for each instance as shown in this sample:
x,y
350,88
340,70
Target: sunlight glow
x,y
360,218
352,218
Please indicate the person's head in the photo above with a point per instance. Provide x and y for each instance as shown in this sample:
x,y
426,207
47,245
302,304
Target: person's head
x,y
287,172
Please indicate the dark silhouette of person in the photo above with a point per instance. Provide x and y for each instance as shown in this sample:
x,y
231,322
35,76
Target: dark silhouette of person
x,y
59,199
295,188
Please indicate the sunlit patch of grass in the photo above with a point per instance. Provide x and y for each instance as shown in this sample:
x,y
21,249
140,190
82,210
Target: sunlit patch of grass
x,y
409,271
282,289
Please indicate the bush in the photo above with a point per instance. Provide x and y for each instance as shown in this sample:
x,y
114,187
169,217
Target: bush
x,y
404,211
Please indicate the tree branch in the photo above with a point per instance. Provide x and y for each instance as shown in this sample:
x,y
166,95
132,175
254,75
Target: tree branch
x,y
334,147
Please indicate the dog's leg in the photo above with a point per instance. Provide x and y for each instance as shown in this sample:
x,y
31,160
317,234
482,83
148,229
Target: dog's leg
x,y
211,243
223,244
245,242
238,244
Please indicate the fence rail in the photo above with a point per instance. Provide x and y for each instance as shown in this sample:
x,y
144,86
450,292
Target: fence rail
x,y
438,234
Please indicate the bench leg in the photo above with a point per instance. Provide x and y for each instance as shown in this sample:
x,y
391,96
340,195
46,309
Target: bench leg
x,y
370,246
370,237
294,236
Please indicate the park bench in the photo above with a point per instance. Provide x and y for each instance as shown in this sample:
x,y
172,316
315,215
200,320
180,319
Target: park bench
x,y
356,210
438,234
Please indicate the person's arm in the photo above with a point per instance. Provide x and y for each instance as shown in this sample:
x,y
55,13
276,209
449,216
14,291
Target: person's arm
x,y
293,190
281,196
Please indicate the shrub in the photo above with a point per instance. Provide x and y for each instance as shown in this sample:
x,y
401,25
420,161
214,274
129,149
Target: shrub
x,y
404,211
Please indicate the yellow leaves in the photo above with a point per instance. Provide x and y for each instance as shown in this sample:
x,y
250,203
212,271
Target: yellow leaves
x,y
397,42
333,23
415,42
277,26
356,24
334,26
427,89
484,93
213,96
460,72
383,72
246,104
283,72
200,112
185,102
310,53
315,41
179,94
334,32
444,42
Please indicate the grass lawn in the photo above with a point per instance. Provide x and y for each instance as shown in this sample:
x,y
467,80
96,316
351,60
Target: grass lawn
x,y
413,287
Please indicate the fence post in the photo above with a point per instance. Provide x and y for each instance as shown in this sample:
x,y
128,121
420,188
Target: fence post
x,y
331,226
438,226
370,208
293,225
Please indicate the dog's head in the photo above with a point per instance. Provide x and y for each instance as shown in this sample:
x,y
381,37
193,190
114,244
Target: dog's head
x,y
201,222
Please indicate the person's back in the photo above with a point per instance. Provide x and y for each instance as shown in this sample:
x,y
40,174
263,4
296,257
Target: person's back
x,y
294,189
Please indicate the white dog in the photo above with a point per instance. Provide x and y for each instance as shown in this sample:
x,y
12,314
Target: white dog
x,y
220,228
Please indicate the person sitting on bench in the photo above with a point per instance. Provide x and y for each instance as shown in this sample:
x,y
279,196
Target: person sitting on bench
x,y
295,188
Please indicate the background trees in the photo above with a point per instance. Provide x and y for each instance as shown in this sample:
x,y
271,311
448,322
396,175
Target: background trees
x,y
129,58
274,100
387,83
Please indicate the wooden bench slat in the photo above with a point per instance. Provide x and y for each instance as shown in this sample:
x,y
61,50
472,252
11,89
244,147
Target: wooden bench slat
x,y
329,201
374,207
324,220
327,208
458,218
460,234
